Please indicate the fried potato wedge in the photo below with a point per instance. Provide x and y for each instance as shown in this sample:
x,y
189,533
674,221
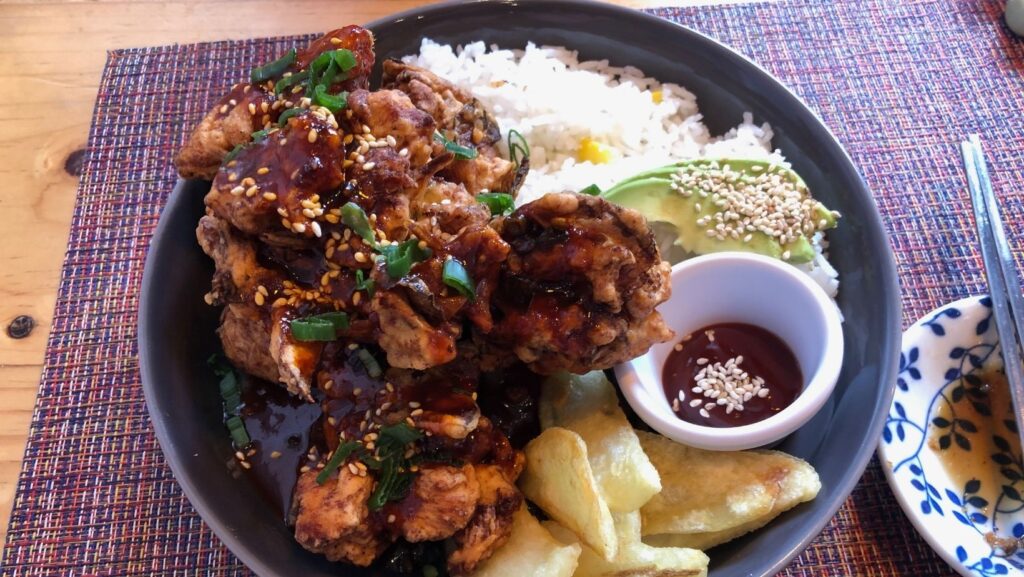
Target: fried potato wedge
x,y
587,405
634,558
558,479
710,497
531,550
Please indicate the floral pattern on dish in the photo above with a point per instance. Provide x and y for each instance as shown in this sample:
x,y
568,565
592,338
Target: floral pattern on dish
x,y
936,400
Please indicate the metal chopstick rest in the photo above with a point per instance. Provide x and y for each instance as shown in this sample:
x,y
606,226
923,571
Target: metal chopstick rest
x,y
1004,287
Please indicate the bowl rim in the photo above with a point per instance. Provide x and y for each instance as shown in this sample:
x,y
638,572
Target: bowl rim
x,y
872,227
807,404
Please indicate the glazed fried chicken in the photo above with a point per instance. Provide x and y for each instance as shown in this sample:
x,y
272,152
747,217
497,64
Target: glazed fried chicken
x,y
359,270
462,119
251,106
581,285
334,519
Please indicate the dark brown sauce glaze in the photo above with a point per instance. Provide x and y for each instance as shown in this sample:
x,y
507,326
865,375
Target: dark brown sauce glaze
x,y
764,355
279,426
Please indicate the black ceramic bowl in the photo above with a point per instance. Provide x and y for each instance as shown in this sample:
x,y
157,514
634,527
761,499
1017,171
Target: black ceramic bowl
x,y
176,328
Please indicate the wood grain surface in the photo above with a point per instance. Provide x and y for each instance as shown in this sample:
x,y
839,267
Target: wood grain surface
x,y
51,58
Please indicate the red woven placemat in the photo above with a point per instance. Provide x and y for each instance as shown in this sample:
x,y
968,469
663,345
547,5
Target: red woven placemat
x,y
899,82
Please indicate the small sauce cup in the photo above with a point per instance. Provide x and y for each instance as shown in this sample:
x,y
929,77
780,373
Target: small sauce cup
x,y
738,287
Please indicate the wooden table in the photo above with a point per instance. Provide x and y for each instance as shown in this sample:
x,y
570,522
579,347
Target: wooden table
x,y
51,57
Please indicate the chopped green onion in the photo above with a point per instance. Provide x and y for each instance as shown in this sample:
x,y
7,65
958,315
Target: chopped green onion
x,y
322,327
392,484
355,218
363,283
219,364
346,59
259,135
400,434
332,102
500,203
463,152
275,68
399,259
287,82
592,190
456,276
283,119
234,152
518,148
238,433
369,363
340,454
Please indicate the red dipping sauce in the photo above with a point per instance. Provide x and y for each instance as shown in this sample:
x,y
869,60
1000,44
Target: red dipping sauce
x,y
758,366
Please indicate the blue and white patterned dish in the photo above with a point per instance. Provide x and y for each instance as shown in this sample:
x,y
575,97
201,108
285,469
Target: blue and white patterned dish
x,y
941,354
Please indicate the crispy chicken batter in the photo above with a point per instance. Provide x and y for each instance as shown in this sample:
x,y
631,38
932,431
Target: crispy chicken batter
x,y
357,211
581,284
333,518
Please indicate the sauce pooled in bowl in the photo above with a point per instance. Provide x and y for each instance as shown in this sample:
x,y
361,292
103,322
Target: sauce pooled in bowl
x,y
731,374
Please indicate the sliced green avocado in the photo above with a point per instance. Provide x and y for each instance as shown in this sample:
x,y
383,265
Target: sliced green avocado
x,y
652,194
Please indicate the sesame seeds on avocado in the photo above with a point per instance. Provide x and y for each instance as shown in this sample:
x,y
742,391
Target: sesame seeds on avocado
x,y
719,205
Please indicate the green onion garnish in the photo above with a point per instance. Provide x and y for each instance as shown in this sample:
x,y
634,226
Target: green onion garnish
x,y
339,456
355,218
463,152
288,81
275,68
392,484
322,327
363,283
592,190
259,135
283,119
399,259
332,102
500,203
455,275
369,363
238,433
234,152
518,148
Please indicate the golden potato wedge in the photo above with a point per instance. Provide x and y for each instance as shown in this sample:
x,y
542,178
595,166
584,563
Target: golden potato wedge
x,y
531,550
559,480
712,497
587,405
634,558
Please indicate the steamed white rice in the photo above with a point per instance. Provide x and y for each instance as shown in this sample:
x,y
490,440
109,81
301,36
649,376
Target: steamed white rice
x,y
555,101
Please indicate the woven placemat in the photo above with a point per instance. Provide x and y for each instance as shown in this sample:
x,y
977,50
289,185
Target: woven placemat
x,y
899,82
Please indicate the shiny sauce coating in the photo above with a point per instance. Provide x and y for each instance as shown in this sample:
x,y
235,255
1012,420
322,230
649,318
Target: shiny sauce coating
x,y
764,358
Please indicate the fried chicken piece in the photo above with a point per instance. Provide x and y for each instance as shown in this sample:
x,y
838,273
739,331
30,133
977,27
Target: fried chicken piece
x,y
228,124
386,176
408,339
462,119
491,523
355,38
296,360
245,337
440,502
441,207
237,271
333,518
276,184
581,285
249,107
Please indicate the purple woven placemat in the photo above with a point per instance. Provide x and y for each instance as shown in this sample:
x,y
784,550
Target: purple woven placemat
x,y
899,82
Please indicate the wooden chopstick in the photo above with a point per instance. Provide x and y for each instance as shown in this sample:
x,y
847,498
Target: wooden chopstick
x,y
1004,287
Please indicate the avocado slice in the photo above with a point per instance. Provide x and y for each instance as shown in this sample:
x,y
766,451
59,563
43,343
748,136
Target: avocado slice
x,y
659,197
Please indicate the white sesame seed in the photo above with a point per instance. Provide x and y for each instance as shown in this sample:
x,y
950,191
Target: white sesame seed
x,y
704,413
